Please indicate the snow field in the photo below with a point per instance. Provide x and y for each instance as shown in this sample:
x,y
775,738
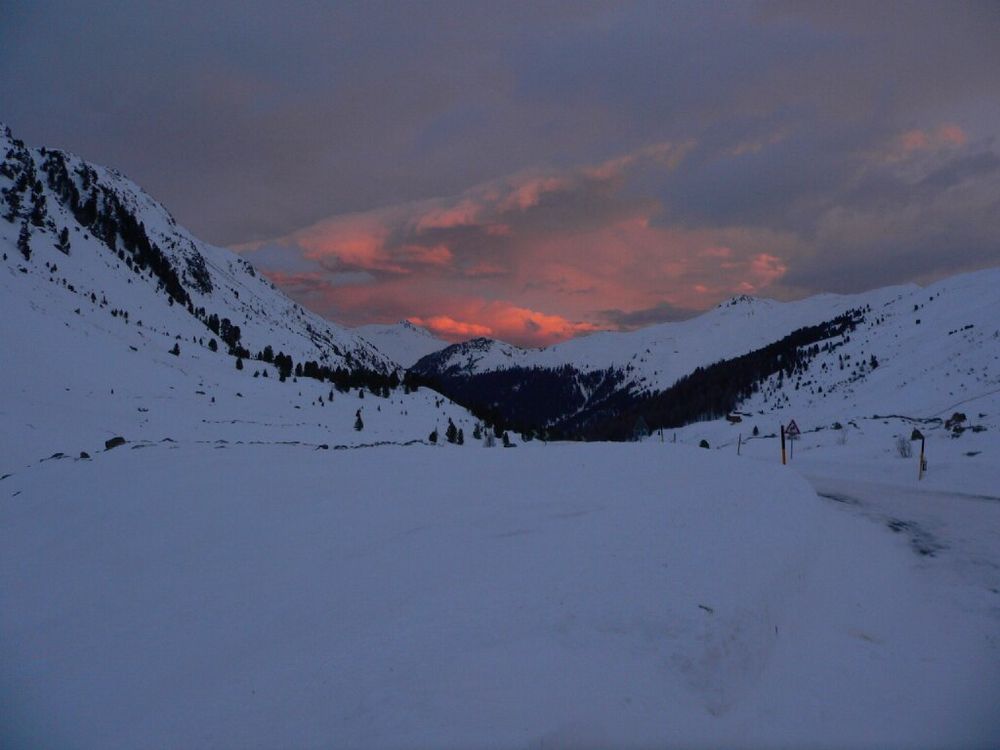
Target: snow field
x,y
263,596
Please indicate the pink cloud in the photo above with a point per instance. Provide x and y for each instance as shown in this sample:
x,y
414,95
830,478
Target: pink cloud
x,y
502,320
948,135
718,252
766,269
484,269
464,213
482,264
438,255
526,192
357,240
914,140
448,327
951,134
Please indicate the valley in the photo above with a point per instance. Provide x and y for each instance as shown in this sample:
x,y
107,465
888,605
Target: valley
x,y
226,521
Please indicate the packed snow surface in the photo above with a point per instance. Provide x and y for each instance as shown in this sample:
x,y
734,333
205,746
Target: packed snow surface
x,y
182,595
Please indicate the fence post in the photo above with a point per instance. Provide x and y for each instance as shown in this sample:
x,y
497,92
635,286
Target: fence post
x,y
782,445
920,470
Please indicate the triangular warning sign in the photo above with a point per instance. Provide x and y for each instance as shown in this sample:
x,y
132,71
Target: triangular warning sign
x,y
792,429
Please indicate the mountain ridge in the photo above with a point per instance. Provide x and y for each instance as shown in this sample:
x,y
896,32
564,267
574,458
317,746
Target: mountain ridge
x,y
48,194
751,354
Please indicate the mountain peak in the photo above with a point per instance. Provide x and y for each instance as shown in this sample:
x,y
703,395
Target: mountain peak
x,y
739,299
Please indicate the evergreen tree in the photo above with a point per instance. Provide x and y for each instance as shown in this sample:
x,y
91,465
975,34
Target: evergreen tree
x,y
38,210
239,363
506,440
176,351
63,244
231,334
24,241
461,437
433,437
477,432
213,345
756,431
358,424
13,205
451,434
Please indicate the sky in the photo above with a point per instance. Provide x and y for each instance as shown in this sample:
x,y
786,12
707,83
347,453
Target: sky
x,y
536,171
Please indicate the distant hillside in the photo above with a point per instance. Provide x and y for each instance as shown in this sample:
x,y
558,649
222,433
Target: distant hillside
x,y
404,343
745,354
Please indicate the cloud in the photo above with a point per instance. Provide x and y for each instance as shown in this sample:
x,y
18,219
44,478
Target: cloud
x,y
937,212
457,233
498,319
578,253
948,135
659,313
592,157
446,326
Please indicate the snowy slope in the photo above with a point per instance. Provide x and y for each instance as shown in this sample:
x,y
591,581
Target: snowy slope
x,y
934,349
72,380
97,206
404,342
87,341
937,353
653,358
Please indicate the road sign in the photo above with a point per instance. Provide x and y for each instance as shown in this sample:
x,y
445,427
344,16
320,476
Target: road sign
x,y
793,429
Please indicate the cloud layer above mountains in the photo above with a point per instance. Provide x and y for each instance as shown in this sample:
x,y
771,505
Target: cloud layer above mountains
x,y
537,171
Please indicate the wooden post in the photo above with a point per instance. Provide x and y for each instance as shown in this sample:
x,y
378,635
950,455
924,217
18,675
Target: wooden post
x,y
782,445
920,470
791,447
739,443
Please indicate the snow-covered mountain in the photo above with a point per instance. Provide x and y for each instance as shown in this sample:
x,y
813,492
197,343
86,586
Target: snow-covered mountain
x,y
918,350
115,321
404,342
116,248
653,358
941,340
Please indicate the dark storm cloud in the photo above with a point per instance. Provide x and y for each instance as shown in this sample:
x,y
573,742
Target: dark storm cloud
x,y
252,119
826,145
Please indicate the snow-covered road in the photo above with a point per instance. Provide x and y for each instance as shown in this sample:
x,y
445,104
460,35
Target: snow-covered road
x,y
958,533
